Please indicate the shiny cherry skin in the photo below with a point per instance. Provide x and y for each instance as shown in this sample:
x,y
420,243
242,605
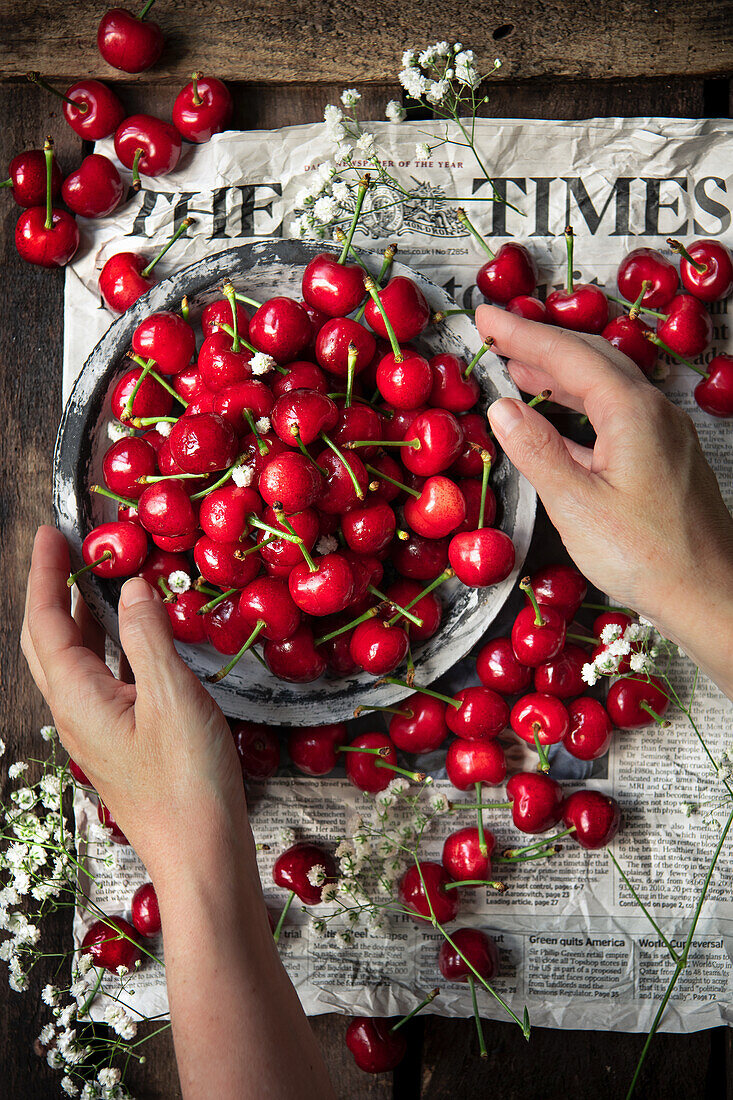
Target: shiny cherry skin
x,y
419,558
475,429
204,443
481,558
424,730
610,618
716,281
224,513
258,749
304,414
595,817
52,247
471,489
125,541
534,644
497,667
160,563
628,334
301,375
582,309
160,143
145,910
325,591
124,462
219,366
332,346
470,762
27,171
562,675
225,630
482,715
687,327
331,287
440,508
438,437
95,189
714,393
512,272
338,650
404,383
199,121
291,480
314,749
423,892
540,714
428,608
450,388
168,339
291,870
150,400
474,945
183,611
533,309
111,944
296,660
224,563
280,557
462,857
537,801
96,112
338,494
376,1048
219,313
127,42
406,307
590,733
121,281
397,421
280,328
561,587
369,528
378,648
647,265
366,770
625,699
176,543
234,401
267,600
165,509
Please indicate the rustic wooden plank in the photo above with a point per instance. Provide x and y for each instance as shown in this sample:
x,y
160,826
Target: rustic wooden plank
x,y
280,41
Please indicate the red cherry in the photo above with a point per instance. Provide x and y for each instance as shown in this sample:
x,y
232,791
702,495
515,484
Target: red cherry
x,y
647,265
462,856
226,631
537,801
282,555
224,563
267,600
203,108
145,910
583,309
95,189
150,400
204,443
47,247
233,402
125,545
176,543
219,366
595,817
79,776
219,313
96,111
258,749
121,281
687,327
127,42
471,944
590,730
534,644
167,338
559,586
332,346
450,388
338,650
250,453
313,748
497,667
440,508
397,421
422,891
125,461
628,334
419,558
280,328
106,819
338,494
375,1047
155,143
160,563
424,730
471,489
224,512
292,867
531,308
333,288
377,647
437,438
537,717
367,770
482,715
368,529
511,272
291,480
301,375
165,509
27,173
562,674
303,414
481,558
405,383
470,762
715,281
323,591
297,659
475,429
111,944
406,307
428,608
610,618
714,392
183,612
628,698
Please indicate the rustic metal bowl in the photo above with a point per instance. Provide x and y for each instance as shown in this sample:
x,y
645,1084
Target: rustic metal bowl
x,y
261,270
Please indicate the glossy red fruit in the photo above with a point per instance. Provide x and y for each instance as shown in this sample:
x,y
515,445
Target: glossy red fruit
x,y
332,346
165,509
471,762
176,543
258,749
291,480
450,388
534,644
402,593
233,402
397,421
204,443
531,308
338,493
145,910
537,801
404,383
440,508
96,111
46,247
224,512
168,339
292,867
127,42
159,141
219,366
437,438
281,556
125,461
27,173
332,287
378,648
376,1049
584,309
406,307
111,942
423,892
160,563
462,857
303,414
471,944
497,667
714,393
471,489
224,563
596,818
559,586
324,591
647,265
590,730
562,674
150,400
419,558
481,558
202,109
366,770
482,715
106,819
219,313
424,729
301,375
280,328
267,600
296,660
313,749
95,189
369,528
121,281
225,630
687,327
716,280
628,334
628,698
541,716
511,272
183,612
127,544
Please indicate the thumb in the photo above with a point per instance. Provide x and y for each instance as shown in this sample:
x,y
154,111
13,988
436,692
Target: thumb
x,y
147,638
537,450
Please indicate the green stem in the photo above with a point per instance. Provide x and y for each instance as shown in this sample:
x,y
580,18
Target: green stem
x,y
416,777
423,691
392,481
261,445
146,9
48,153
569,245
479,1029
479,354
153,479
582,638
384,710
607,607
7,183
642,309
178,233
284,522
476,882
643,705
125,501
634,311
149,421
440,579
526,586
414,443
255,521
136,169
352,356
306,453
654,339
283,915
185,308
215,677
463,219
642,906
512,853
482,847
250,347
371,288
106,556
163,586
363,188
219,598
357,487
36,78
389,254
348,626
426,1001
544,763
544,395
127,410
680,249
93,993
402,611
486,470
483,805
196,98
248,301
230,295
221,481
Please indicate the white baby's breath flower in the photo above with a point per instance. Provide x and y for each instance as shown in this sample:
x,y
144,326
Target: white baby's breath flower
x,y
55,1058
65,1016
15,770
50,995
117,431
68,1086
345,848
261,364
350,97
640,662
619,648
465,70
610,633
109,1076
243,476
688,808
330,892
437,91
341,192
408,59
635,632
589,674
286,837
262,425
343,154
164,428
414,83
645,622
332,113
316,874
317,927
607,663
24,797
327,544
325,173
395,112
422,150
383,800
398,785
345,937
179,581
365,142
439,802
48,1031
48,733
325,209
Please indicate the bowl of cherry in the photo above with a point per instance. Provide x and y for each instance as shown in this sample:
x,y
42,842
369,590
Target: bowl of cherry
x,y
294,450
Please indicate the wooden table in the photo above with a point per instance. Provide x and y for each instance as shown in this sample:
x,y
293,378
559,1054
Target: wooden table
x,y
285,61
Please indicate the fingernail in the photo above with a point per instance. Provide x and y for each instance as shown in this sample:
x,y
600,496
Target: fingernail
x,y
136,590
505,415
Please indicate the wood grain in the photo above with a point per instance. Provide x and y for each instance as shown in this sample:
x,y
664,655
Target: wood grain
x,y
281,41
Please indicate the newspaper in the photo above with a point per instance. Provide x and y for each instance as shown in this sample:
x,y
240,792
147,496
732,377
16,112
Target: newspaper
x,y
575,947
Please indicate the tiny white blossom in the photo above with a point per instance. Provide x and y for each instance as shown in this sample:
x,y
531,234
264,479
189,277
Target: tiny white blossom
x,y
48,733
66,1016
109,1076
327,544
635,632
345,938
688,808
262,425
54,1058
341,192
398,785
17,769
619,648
422,150
610,633
325,209
589,674
24,797
343,154
48,1031
640,662
68,1086
286,837
243,476
408,59
350,97
179,581
117,431
261,364
439,803
345,848
316,874
645,622
365,142
438,91
330,892
395,112
50,995
414,83
317,927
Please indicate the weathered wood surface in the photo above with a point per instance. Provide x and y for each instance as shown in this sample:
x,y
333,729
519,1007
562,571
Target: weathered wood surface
x,y
442,1061
280,41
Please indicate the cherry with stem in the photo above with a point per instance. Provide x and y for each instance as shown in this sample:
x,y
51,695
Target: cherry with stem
x,y
215,677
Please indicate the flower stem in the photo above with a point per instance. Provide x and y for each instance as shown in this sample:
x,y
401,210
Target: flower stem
x,y
479,1029
178,233
92,994
215,677
283,915
146,9
371,288
364,185
464,220
418,1008
357,487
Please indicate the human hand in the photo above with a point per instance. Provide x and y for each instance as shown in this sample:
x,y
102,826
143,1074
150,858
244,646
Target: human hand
x,y
159,751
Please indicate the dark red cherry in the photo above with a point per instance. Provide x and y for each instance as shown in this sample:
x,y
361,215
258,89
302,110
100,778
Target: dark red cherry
x,y
537,801
203,108
359,422
313,749
337,651
481,558
532,308
224,512
303,414
714,392
710,274
95,189
46,247
436,437
27,175
338,493
440,508
147,145
470,762
150,400
291,480
165,509
419,558
368,771
297,660
397,421
79,776
559,586
176,544
629,697
497,667
203,443
595,817
406,307
377,647
368,528
281,556
472,490
333,288
450,388
404,592
421,726
582,309
219,313
375,1047
128,42
590,730
280,328
145,910
124,544
332,346
225,563
462,856
291,871
511,272
125,461
258,749
687,327
111,942
423,892
234,402
226,631
647,265
562,675
301,375
475,429
474,945
536,643
539,717
267,600
482,715
183,612
166,338
628,334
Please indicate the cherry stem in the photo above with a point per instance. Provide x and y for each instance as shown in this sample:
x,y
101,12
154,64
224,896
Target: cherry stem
x,y
48,153
229,293
486,460
371,288
185,309
389,254
256,522
357,487
526,586
169,596
153,479
544,764
148,421
479,1030
642,309
348,626
283,520
423,690
440,579
7,183
158,377
512,853
414,443
607,607
364,185
569,244
486,346
215,677
385,710
544,395
417,777
136,169
196,99
106,556
402,611
127,410
178,233
392,481
482,805
146,9
643,705
456,313
463,219
582,638
248,301
634,311
250,347
352,356
483,849
261,445
125,501
36,78
219,598
201,586
283,915
418,1008
544,854
680,249
654,339
499,886
221,481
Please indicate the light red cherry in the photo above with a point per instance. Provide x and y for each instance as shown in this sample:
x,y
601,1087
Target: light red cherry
x,y
225,630
423,892
629,335
533,642
510,273
115,549
204,443
176,543
226,564
497,667
111,943
314,749
421,726
91,108
369,771
562,675
280,328
323,591
125,461
332,287
435,439
291,480
559,586
266,601
243,402
377,647
220,366
94,189
303,414
186,622
404,382
121,280
481,558
580,307
540,719
145,910
27,177
686,327
438,510
537,801
147,145
165,509
46,241
595,818
714,392
462,856
224,513
470,762
281,556
168,339
150,400
300,375
128,42
333,342
406,307
258,749
219,313
647,265
375,1047
368,528
203,108
629,698
450,388
481,716
590,730
706,269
